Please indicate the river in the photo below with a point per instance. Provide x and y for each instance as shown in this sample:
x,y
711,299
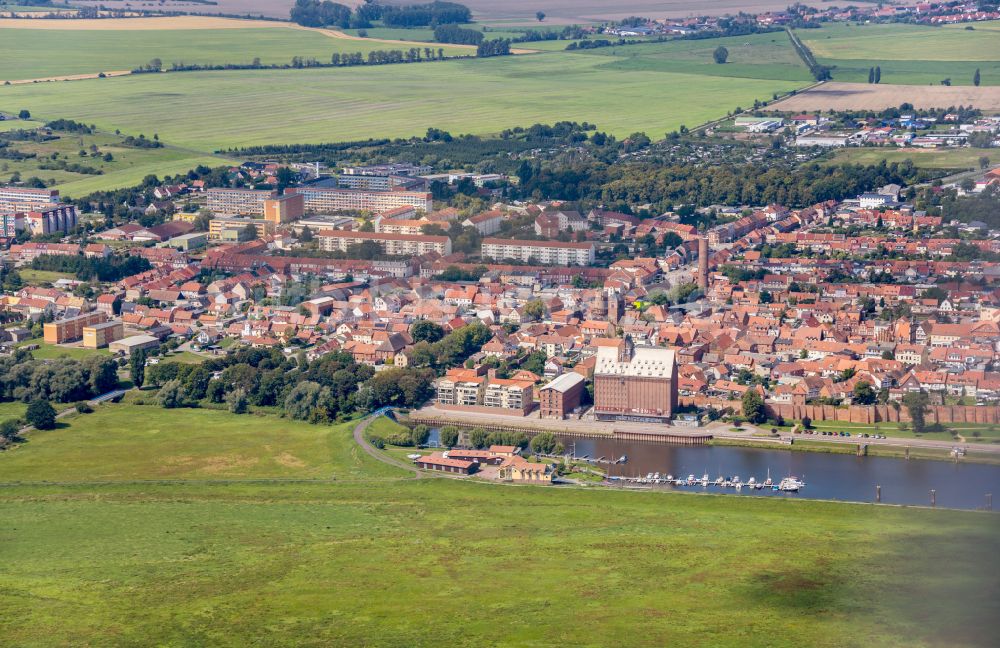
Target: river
x,y
827,476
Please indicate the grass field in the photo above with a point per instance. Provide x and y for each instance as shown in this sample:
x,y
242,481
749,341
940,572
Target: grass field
x,y
197,110
36,277
12,410
128,166
370,559
65,52
109,445
959,158
907,54
47,351
758,56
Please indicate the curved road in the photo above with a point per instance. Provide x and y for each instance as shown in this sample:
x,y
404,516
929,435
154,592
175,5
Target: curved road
x,y
359,438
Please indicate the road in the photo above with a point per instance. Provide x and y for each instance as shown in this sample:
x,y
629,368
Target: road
x,y
359,438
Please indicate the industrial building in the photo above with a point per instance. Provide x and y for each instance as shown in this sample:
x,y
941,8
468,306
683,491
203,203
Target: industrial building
x,y
634,383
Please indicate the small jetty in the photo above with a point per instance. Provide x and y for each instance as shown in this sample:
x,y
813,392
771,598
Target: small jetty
x,y
788,484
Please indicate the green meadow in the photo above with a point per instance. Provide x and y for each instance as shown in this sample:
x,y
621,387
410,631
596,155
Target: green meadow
x,y
141,526
907,54
213,110
957,158
67,52
127,167
758,56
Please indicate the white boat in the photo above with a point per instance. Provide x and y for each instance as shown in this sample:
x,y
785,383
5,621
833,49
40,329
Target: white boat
x,y
719,481
790,485
768,482
704,479
656,477
752,482
670,479
736,480
691,480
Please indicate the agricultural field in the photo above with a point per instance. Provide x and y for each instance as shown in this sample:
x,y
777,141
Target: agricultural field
x,y
906,54
64,52
954,158
837,95
127,167
183,530
758,56
197,110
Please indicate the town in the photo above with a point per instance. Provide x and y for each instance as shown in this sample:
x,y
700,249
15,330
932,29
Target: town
x,y
859,311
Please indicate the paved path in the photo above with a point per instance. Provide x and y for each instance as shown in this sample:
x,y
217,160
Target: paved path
x,y
718,429
359,438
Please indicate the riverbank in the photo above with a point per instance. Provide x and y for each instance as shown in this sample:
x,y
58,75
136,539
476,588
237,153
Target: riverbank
x,y
714,433
889,451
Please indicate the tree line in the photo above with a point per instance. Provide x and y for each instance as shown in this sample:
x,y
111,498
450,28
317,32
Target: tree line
x,y
330,388
495,47
317,13
86,268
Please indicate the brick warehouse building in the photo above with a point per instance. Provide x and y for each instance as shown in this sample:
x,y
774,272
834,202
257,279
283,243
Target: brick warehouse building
x,y
634,383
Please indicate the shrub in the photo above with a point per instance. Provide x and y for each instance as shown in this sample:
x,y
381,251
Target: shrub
x,y
237,401
83,407
41,415
9,430
449,436
376,441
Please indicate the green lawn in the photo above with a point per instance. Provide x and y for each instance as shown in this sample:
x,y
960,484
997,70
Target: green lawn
x,y
47,351
958,158
59,52
12,410
35,277
196,110
371,560
907,54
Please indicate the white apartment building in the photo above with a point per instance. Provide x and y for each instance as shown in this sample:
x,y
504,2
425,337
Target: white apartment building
x,y
327,199
236,202
392,244
539,252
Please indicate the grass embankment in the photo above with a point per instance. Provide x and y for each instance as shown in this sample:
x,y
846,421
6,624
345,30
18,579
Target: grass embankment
x,y
367,559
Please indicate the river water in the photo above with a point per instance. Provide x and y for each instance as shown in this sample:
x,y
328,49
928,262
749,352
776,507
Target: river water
x,y
827,476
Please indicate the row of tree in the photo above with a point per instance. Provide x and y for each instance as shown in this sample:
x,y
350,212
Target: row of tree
x,y
329,388
324,13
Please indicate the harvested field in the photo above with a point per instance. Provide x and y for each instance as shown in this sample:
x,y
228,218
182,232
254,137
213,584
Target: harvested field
x,y
862,96
139,24
559,12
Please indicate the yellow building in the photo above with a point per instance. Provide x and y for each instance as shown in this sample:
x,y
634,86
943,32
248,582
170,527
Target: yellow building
x,y
284,209
228,228
101,335
187,217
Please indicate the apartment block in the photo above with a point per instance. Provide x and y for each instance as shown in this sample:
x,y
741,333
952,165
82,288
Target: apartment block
x,y
392,244
284,209
22,199
468,390
228,229
539,252
101,335
328,199
237,202
71,329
